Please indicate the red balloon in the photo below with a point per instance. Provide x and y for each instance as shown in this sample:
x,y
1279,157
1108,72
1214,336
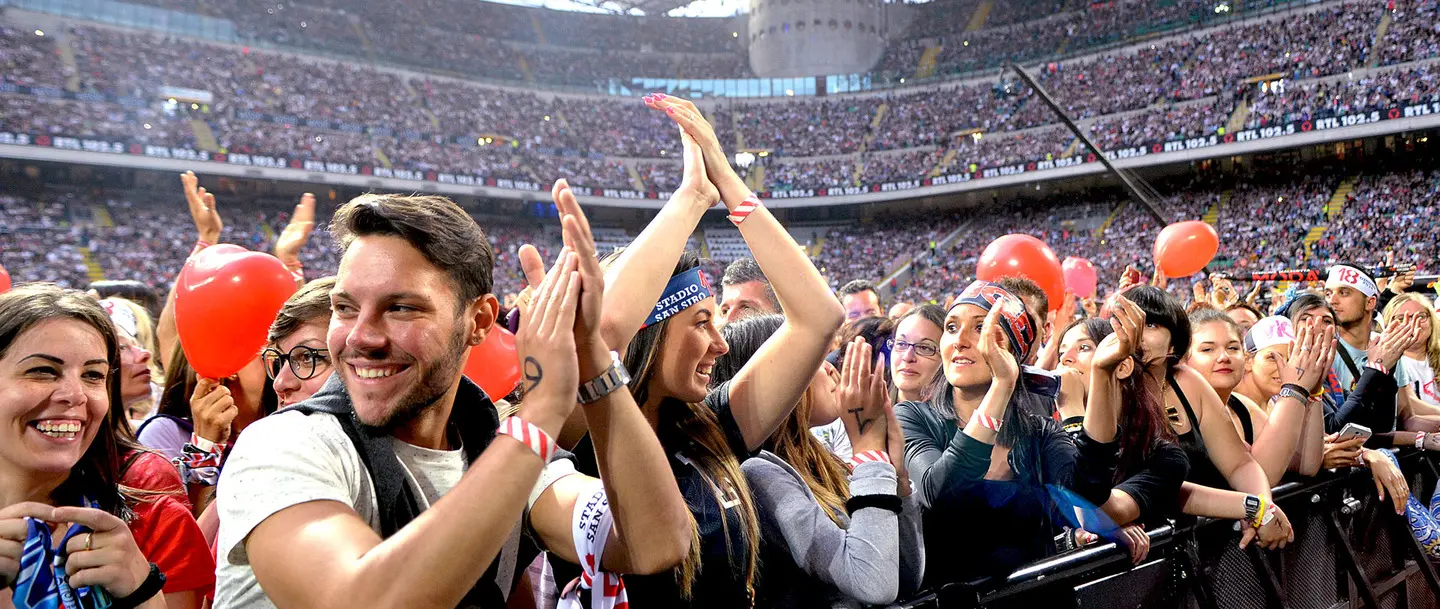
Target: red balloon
x,y
494,364
1080,276
1024,256
225,300
4,280
1184,248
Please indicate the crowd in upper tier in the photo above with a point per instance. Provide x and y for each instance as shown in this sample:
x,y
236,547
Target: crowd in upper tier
x,y
1178,87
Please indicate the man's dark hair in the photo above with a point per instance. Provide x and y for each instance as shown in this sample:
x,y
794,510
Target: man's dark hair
x,y
447,236
1248,307
855,287
1030,292
132,290
745,270
1305,302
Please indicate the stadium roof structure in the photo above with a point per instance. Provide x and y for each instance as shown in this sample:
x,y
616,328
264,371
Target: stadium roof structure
x,y
673,8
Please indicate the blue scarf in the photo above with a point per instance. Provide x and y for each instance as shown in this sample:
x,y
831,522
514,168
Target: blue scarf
x,y
42,583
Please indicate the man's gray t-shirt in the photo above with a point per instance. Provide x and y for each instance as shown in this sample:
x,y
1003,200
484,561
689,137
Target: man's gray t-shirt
x,y
291,458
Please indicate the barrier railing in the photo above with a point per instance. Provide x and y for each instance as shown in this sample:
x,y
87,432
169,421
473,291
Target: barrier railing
x,y
1350,550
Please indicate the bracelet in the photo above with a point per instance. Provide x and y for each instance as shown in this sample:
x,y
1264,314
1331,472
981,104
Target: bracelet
x,y
1291,390
153,584
1271,512
297,271
744,209
870,456
1252,507
988,422
1420,439
200,245
530,435
1378,366
889,503
1260,518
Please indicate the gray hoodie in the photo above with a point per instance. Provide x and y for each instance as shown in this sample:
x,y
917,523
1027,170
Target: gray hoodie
x,y
875,557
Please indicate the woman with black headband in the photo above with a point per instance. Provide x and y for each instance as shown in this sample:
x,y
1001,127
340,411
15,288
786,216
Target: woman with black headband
x,y
982,451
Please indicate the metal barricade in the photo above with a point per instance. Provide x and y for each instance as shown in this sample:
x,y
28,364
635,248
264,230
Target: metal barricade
x,y
1350,550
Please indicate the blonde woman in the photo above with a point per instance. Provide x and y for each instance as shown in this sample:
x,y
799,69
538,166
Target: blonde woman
x,y
1422,357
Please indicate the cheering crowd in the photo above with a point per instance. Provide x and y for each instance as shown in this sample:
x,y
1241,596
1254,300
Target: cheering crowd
x,y
657,433
1185,86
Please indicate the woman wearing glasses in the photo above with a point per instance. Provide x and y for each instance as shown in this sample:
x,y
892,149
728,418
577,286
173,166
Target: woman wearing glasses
x,y
296,358
915,354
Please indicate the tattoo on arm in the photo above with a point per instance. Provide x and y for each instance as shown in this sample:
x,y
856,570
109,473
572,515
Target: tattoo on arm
x,y
533,373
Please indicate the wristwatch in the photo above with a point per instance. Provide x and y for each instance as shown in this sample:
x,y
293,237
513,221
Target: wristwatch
x,y
1293,391
607,383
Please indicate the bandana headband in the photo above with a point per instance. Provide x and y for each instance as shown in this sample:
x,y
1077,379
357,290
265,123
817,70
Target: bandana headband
x,y
684,291
1019,327
1269,332
1346,275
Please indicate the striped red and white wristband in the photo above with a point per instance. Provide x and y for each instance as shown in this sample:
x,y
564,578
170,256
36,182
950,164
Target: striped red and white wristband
x,y
870,456
744,209
297,271
530,435
988,422
199,245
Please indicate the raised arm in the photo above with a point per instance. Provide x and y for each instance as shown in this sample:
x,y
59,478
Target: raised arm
x,y
322,554
1286,433
767,388
1222,443
207,227
651,531
637,278
1102,411
293,238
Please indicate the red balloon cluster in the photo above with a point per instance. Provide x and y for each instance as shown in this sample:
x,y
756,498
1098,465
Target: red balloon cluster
x,y
1184,248
494,364
225,300
1080,276
1024,256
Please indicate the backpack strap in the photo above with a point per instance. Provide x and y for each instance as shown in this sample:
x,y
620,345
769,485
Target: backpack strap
x,y
476,419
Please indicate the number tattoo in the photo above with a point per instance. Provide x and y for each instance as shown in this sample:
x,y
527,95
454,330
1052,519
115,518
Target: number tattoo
x,y
533,373
860,423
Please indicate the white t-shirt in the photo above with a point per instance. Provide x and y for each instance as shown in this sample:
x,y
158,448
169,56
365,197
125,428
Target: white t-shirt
x,y
834,438
1422,378
291,458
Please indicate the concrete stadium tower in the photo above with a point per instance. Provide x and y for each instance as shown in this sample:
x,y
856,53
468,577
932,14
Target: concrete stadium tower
x,y
790,38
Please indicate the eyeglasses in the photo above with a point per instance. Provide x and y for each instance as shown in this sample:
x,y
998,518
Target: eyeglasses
x,y
899,346
304,361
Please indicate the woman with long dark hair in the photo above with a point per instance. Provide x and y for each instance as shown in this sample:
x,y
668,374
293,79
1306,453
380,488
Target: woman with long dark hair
x,y
67,457
1151,466
984,448
837,534
1219,460
659,304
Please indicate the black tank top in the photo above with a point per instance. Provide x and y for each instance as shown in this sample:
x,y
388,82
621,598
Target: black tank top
x,y
1242,413
1202,469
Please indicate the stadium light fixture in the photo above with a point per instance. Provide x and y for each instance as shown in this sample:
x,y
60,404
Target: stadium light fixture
x,y
790,92
744,159
547,118
734,34
39,32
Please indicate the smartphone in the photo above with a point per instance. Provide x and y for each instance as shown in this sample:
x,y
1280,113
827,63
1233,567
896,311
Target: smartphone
x,y
1132,274
1352,431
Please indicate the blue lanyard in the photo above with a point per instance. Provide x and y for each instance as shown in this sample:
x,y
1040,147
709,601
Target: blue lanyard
x,y
42,583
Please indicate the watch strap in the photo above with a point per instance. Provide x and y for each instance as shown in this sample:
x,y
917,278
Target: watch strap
x,y
609,381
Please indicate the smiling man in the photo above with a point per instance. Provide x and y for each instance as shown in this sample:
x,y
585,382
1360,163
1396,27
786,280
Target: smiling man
x,y
395,485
